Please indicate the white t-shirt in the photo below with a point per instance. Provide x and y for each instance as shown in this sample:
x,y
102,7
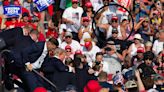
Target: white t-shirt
x,y
109,32
107,16
75,16
157,47
97,4
75,45
91,55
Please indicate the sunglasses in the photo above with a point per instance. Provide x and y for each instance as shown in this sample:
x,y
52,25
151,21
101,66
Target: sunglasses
x,y
68,37
114,21
85,21
146,21
114,32
68,51
74,2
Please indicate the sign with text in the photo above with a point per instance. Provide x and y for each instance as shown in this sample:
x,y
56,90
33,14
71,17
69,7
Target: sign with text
x,y
43,4
12,11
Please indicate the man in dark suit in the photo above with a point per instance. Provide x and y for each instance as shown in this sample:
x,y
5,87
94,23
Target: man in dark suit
x,y
9,36
33,57
57,72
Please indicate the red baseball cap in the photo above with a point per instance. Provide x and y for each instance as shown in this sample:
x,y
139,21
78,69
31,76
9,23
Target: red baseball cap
x,y
88,44
74,1
140,50
92,86
79,52
86,18
88,5
114,18
40,89
67,47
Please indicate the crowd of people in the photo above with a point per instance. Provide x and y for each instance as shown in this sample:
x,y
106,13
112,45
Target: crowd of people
x,y
81,47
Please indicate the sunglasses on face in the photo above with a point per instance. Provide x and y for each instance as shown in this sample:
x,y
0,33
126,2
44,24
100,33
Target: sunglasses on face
x,y
68,51
74,2
114,32
68,37
114,21
85,21
146,21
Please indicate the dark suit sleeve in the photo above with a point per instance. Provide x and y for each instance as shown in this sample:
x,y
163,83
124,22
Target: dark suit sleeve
x,y
34,48
60,66
54,64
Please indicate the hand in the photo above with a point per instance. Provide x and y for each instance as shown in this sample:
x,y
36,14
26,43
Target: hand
x,y
91,71
29,67
137,73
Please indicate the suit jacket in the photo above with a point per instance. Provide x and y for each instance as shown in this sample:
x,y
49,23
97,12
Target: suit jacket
x,y
32,53
11,35
57,72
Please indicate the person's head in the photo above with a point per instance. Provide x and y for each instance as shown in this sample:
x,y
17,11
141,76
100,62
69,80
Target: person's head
x,y
148,82
148,46
40,89
68,37
137,38
146,22
69,61
89,6
114,33
103,77
99,56
86,21
88,45
52,43
92,86
25,17
140,52
118,80
26,30
68,49
124,20
75,3
127,62
131,86
60,53
78,63
105,2
34,34
161,35
148,58
114,21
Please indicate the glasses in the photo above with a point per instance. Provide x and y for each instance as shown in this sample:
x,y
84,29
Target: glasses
x,y
85,21
68,37
68,51
114,32
146,21
74,2
114,21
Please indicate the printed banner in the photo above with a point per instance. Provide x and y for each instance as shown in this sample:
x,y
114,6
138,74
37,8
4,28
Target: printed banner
x,y
43,4
12,11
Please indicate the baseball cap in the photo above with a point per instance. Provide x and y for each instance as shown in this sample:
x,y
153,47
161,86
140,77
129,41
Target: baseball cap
x,y
40,89
88,44
92,86
88,4
130,84
67,47
137,36
25,14
79,52
68,34
74,1
124,18
140,50
118,79
114,18
114,30
86,18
